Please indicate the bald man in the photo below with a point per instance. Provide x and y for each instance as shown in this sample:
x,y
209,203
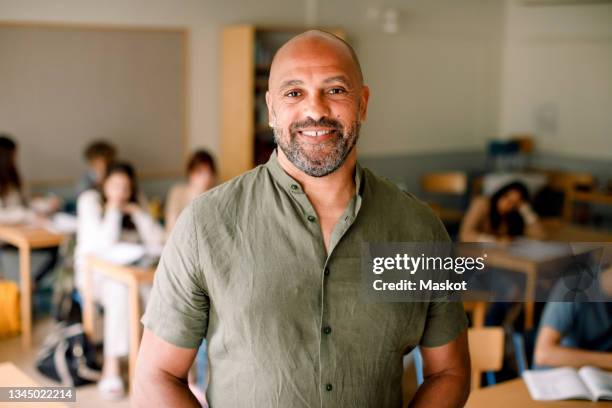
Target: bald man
x,y
266,267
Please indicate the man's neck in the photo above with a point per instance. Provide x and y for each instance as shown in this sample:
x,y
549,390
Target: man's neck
x,y
333,190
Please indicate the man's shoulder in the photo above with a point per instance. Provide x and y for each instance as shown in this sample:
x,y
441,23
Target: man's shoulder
x,y
232,193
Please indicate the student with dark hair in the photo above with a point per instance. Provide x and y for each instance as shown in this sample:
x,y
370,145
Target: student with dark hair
x,y
507,214
17,208
106,217
201,177
98,154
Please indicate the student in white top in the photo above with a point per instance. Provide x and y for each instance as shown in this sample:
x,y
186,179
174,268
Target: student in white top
x,y
107,218
16,208
201,177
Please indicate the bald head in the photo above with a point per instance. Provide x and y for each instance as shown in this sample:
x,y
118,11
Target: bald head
x,y
320,43
316,102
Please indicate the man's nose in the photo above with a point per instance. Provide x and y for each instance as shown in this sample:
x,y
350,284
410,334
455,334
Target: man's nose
x,y
316,107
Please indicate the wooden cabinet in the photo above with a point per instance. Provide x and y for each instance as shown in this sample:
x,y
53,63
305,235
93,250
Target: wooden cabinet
x,y
246,54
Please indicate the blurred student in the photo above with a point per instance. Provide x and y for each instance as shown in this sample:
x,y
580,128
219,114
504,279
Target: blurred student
x,y
576,333
98,154
201,177
503,217
17,208
107,217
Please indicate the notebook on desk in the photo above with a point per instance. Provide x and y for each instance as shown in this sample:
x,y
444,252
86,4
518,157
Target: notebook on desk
x,y
566,383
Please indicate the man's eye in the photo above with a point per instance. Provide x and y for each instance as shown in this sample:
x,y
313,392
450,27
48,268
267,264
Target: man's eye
x,y
292,94
335,91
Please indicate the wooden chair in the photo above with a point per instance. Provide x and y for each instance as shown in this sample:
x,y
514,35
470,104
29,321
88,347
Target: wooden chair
x,y
452,183
477,310
568,183
486,345
486,351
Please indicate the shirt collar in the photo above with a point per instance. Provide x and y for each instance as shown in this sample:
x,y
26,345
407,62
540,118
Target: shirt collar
x,y
291,185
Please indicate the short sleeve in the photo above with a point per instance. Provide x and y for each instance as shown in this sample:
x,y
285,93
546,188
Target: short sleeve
x,y
178,307
559,316
445,321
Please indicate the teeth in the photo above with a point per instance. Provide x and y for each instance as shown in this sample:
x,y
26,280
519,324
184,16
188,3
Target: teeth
x,y
315,133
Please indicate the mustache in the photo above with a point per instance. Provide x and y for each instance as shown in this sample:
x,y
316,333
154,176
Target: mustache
x,y
310,122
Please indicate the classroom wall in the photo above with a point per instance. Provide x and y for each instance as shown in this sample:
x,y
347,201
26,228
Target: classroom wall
x,y
557,79
434,84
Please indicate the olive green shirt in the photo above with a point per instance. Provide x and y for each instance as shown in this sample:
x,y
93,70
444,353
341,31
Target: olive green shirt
x,y
246,268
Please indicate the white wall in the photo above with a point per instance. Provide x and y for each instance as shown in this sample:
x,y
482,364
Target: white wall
x,y
557,78
434,85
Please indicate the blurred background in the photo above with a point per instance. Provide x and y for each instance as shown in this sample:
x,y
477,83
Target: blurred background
x,y
467,96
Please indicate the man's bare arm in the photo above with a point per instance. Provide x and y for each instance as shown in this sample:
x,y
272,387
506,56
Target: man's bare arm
x,y
550,352
161,374
446,370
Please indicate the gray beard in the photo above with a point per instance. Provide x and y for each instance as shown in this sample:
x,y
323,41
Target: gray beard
x,y
322,164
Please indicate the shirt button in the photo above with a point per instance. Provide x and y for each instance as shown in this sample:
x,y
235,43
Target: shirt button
x,y
328,387
327,330
311,218
326,272
294,187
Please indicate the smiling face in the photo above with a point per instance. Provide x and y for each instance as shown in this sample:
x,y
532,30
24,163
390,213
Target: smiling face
x,y
316,101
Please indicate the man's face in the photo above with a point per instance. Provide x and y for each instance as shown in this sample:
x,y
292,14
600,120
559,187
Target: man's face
x,y
316,103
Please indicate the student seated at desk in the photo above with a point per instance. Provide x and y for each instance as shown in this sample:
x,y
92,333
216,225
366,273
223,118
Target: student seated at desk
x,y
201,177
504,216
16,208
98,154
106,218
576,333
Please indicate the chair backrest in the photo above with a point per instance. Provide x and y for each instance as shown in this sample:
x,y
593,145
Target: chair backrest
x,y
486,346
454,182
564,181
477,310
486,351
567,183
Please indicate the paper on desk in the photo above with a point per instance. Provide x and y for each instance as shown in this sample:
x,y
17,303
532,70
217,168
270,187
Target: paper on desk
x,y
538,250
123,253
63,223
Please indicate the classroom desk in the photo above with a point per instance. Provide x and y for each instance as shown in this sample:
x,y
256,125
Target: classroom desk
x,y
12,376
133,277
514,393
557,231
561,231
26,238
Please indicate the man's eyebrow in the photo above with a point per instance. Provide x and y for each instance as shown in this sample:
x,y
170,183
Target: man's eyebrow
x,y
291,82
338,78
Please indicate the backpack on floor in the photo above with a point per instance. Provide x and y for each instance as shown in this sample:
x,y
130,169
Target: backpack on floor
x,y
10,325
68,357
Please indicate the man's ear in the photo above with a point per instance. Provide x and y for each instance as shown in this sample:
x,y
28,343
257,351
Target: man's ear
x,y
363,102
271,118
